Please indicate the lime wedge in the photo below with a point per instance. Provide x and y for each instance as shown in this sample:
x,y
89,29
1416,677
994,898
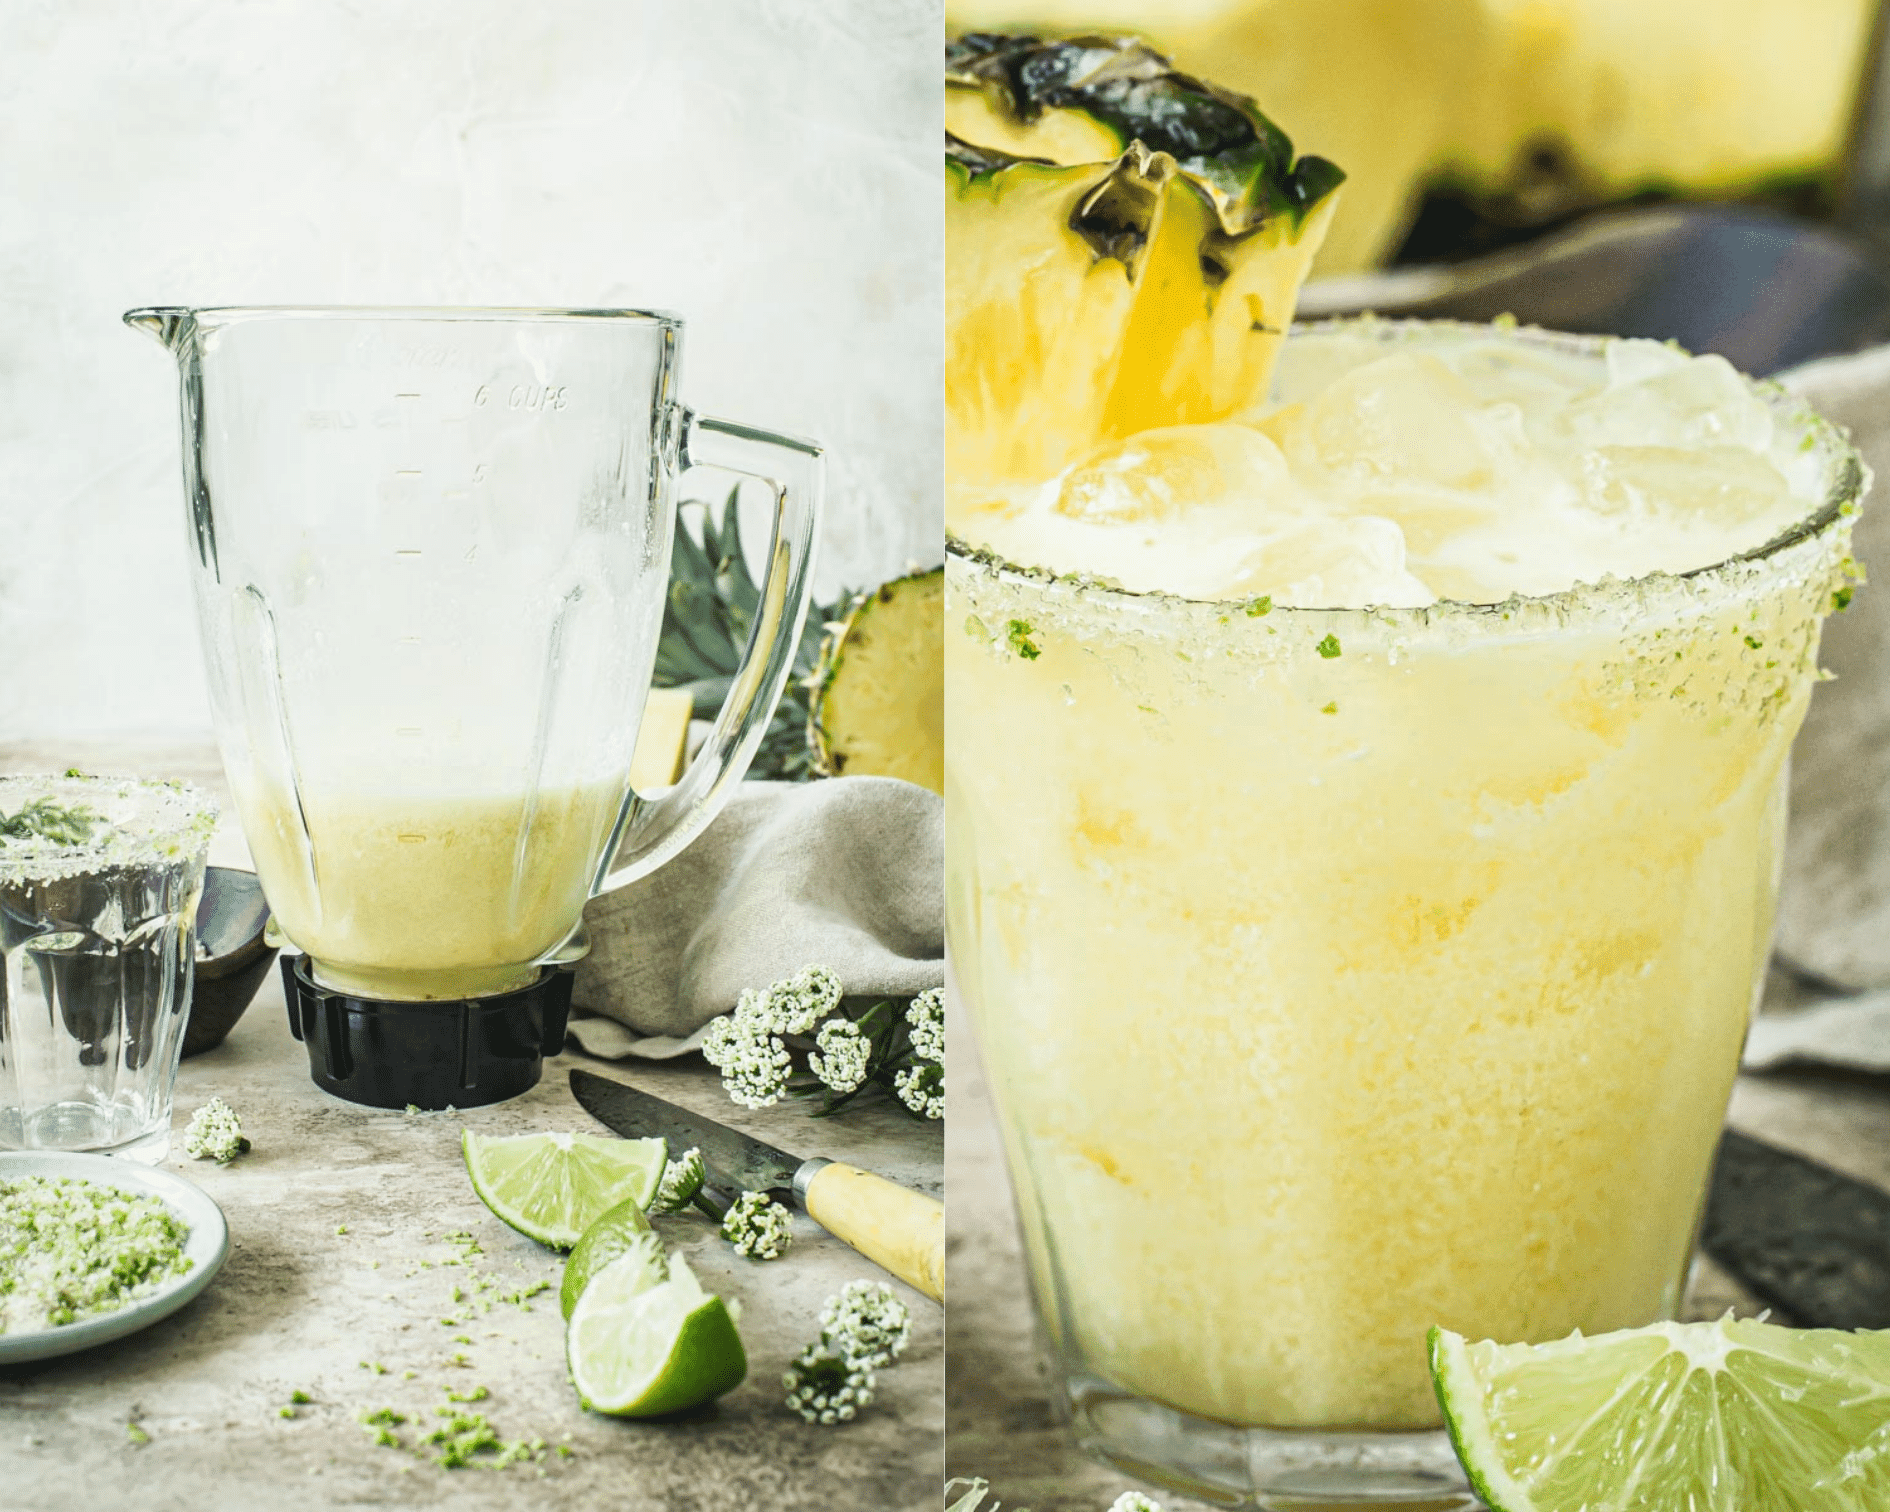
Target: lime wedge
x,y
551,1187
637,1350
622,1231
1732,1416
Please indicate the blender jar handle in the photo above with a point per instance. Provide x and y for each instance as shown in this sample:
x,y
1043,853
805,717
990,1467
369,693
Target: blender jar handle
x,y
654,829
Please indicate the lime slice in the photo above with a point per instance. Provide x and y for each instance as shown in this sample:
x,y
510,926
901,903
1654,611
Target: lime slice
x,y
1732,1416
551,1187
637,1350
621,1231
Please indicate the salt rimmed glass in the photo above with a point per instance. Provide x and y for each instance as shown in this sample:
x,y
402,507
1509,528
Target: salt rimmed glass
x,y
99,955
1343,972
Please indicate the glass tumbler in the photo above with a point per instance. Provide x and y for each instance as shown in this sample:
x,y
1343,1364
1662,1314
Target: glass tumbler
x,y
1342,973
99,883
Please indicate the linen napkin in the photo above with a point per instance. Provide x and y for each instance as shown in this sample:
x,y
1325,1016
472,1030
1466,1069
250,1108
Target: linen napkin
x,y
846,872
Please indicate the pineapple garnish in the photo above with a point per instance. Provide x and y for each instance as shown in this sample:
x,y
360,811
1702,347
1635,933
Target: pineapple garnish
x,y
1125,246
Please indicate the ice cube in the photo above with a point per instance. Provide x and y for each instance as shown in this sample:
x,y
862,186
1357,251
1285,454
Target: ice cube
x,y
1708,487
1333,562
1163,474
1688,401
1406,416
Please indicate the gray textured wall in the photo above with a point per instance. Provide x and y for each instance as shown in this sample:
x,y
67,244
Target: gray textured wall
x,y
769,168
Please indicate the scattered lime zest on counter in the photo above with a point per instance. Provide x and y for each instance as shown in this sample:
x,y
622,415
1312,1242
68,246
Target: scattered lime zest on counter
x,y
300,1398
1331,708
475,1394
375,1366
340,1229
287,1412
136,1434
215,1133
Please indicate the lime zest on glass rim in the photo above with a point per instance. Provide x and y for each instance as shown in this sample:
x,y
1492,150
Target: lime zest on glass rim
x,y
1734,1415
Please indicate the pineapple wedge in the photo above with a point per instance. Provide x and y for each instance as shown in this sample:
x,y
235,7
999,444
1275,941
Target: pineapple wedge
x,y
1124,248
879,700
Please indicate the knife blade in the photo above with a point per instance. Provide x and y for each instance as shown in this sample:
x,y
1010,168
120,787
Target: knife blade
x,y
900,1230
1803,1238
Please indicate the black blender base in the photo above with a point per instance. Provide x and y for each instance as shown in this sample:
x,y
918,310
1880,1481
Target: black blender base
x,y
450,1054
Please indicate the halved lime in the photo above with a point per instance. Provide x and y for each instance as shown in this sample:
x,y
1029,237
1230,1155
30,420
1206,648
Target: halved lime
x,y
1732,1416
551,1187
637,1350
622,1231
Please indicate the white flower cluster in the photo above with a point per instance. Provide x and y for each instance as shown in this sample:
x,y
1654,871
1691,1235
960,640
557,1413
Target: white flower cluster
x,y
824,1387
844,1055
927,1018
746,1046
682,1179
215,1133
922,1089
1135,1501
758,1227
866,1325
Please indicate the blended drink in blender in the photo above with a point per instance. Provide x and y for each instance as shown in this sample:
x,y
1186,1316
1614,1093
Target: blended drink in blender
x,y
1345,970
423,897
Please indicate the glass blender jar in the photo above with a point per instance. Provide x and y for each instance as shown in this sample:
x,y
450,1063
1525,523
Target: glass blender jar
x,y
431,555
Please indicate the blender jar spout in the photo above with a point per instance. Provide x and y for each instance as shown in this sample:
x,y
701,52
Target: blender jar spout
x,y
168,324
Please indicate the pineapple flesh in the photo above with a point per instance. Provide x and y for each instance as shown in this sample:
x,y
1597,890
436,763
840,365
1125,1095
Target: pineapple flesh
x,y
879,701
1125,246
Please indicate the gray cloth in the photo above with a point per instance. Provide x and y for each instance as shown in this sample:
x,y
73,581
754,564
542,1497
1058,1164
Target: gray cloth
x,y
847,873
1834,904
1834,910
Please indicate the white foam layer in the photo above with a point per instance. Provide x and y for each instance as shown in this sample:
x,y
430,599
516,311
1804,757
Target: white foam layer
x,y
1444,467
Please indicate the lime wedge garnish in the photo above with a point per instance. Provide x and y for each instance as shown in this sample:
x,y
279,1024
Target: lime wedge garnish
x,y
1732,1416
637,1350
551,1187
621,1231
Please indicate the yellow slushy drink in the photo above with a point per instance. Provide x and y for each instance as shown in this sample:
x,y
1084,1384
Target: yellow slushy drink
x,y
404,897
1364,831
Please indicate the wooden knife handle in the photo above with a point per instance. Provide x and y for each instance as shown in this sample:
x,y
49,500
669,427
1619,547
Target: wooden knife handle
x,y
899,1230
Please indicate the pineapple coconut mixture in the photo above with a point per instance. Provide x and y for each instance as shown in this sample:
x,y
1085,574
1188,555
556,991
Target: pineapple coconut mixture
x,y
1341,972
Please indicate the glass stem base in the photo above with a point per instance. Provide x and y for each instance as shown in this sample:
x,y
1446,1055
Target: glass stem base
x,y
1273,1468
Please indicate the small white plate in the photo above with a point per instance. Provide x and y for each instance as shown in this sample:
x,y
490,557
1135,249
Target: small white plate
x,y
207,1246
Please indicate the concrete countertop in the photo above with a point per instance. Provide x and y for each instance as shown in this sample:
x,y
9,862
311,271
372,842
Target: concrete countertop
x,y
1000,1424
301,1305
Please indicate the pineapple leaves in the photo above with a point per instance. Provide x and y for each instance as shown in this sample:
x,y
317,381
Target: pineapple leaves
x,y
707,619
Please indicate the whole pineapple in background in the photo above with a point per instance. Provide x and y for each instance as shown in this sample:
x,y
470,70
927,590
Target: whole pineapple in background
x,y
866,696
879,696
1124,250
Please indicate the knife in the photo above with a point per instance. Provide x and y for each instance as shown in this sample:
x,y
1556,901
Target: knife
x,y
1805,1239
899,1230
